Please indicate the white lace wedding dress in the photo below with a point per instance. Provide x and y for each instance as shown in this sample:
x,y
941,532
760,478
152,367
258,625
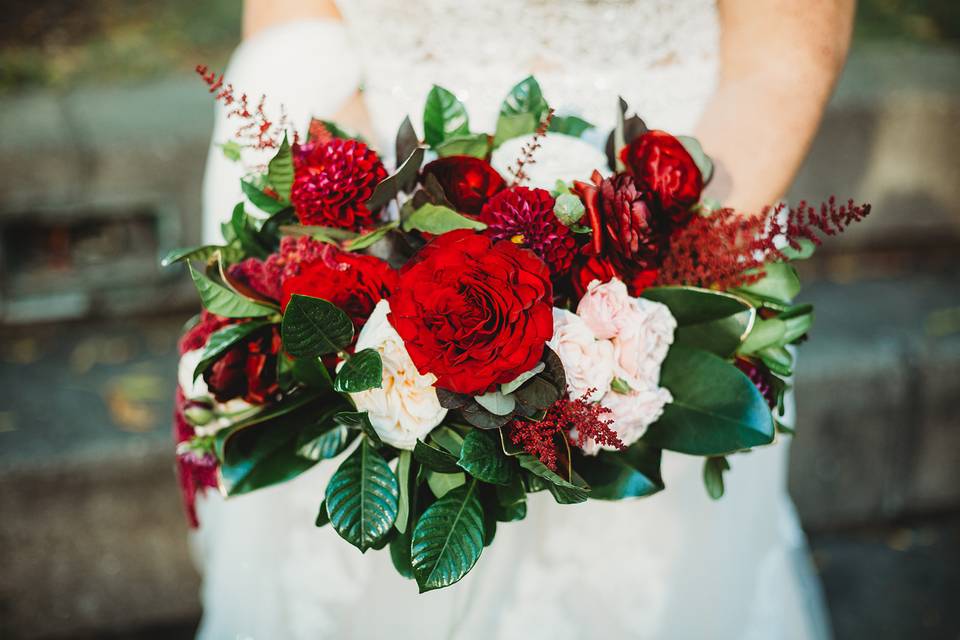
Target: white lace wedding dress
x,y
677,565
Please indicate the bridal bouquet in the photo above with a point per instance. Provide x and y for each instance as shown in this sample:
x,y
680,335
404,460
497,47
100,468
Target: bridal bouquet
x,y
503,313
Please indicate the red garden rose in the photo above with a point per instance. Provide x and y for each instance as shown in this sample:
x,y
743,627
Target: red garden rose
x,y
467,182
472,311
248,370
353,282
660,164
332,182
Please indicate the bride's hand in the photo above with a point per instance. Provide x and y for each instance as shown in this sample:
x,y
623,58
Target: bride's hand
x,y
779,60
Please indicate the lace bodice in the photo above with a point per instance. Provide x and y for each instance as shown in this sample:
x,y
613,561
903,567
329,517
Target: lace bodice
x,y
660,55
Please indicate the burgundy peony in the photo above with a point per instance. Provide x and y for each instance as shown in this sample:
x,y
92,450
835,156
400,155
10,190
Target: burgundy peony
x,y
353,282
525,217
660,164
332,182
248,370
630,235
468,182
472,311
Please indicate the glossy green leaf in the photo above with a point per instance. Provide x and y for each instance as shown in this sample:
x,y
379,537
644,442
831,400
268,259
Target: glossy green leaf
x,y
246,235
716,409
311,372
448,439
511,500
222,301
222,340
569,125
633,473
475,145
323,518
780,283
323,439
280,171
370,238
314,327
514,126
448,538
435,459
389,187
205,252
261,200
711,320
359,420
713,469
404,462
264,453
400,554
362,497
443,483
438,220
525,97
483,458
571,492
444,116
364,370
289,404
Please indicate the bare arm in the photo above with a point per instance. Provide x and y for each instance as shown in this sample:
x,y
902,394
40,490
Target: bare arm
x,y
779,61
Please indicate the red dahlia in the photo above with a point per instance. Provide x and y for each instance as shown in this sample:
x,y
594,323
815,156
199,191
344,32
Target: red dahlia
x,y
525,217
332,181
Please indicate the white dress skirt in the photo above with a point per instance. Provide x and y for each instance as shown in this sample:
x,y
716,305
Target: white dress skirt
x,y
676,565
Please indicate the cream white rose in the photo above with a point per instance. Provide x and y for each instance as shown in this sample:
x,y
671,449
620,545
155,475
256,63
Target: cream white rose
x,y
587,361
405,408
560,157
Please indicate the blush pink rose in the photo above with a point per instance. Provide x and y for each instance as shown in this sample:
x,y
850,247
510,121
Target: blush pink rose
x,y
587,361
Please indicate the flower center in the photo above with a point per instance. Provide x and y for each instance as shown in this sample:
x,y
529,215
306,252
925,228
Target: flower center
x,y
518,239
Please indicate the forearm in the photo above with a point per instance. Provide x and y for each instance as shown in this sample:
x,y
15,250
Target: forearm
x,y
779,63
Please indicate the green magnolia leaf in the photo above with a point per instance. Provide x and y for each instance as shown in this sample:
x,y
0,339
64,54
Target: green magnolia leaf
x,y
511,500
261,200
476,145
700,158
310,372
569,125
205,252
448,538
389,187
323,440
323,518
632,473
359,420
264,453
570,492
438,220
483,458
362,497
371,238
246,234
222,340
280,171
444,116
765,333
313,327
716,409
224,302
435,459
715,321
364,370
443,483
568,208
780,283
713,469
404,461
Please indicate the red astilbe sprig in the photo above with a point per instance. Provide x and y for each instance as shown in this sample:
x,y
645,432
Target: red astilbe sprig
x,y
728,249
578,421
526,154
256,130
